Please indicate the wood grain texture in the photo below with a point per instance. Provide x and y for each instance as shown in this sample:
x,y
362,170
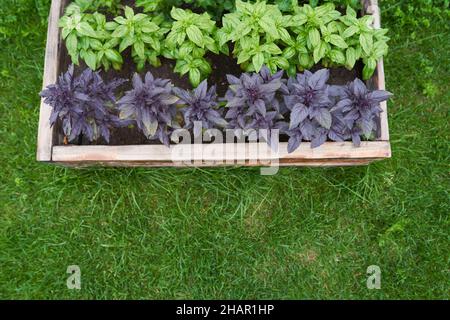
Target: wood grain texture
x,y
153,164
221,152
45,131
206,155
371,7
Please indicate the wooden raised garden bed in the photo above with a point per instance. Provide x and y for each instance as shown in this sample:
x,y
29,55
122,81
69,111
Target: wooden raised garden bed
x,y
51,149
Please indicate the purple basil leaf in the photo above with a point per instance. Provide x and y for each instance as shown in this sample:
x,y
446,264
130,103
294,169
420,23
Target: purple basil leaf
x,y
294,143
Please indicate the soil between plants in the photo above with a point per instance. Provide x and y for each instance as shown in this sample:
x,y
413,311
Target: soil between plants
x,y
221,66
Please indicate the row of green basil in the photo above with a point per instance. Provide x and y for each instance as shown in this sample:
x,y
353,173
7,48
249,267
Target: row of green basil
x,y
261,34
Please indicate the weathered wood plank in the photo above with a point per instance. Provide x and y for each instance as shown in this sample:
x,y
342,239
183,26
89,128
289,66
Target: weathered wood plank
x,y
371,7
45,131
342,163
225,152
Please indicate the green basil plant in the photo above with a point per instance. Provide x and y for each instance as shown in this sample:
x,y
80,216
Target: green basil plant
x,y
192,35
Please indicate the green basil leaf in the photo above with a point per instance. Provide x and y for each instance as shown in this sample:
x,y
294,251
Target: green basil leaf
x,y
95,44
299,19
351,58
91,59
154,60
184,68
305,60
113,56
281,62
156,45
292,70
171,40
181,36
314,37
65,32
289,52
319,52
99,18
285,36
140,17
198,52
243,57
351,12
111,43
212,46
271,48
371,63
139,48
194,77
111,25
222,38
72,43
269,27
195,35
367,72
337,56
121,20
129,13
225,50
258,61
100,55
83,43
380,49
338,41
349,20
64,22
126,42
149,27
106,65
350,31
366,42
120,32
204,66
116,66
85,29
178,14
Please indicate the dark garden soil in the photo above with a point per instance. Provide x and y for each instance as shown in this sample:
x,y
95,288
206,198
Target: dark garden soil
x,y
221,66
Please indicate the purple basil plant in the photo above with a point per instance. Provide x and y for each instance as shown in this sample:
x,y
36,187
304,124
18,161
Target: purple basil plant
x,y
200,105
359,109
84,104
310,105
250,97
320,112
151,106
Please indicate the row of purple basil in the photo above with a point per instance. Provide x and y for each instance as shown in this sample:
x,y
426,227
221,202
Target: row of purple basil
x,y
305,108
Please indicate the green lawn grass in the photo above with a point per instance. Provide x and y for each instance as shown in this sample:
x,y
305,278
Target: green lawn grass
x,y
229,233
